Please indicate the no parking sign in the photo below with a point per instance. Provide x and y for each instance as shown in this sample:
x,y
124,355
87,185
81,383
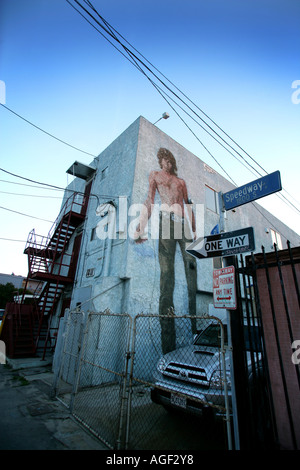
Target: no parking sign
x,y
224,288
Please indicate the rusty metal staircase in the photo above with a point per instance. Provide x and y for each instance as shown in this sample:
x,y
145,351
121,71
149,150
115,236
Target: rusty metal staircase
x,y
50,262
44,333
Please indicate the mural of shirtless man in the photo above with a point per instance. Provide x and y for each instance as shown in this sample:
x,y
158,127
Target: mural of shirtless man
x,y
177,225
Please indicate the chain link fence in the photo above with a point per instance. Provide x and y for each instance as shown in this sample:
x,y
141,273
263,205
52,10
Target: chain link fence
x,y
117,382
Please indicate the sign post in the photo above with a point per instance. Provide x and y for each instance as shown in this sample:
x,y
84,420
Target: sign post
x,y
231,319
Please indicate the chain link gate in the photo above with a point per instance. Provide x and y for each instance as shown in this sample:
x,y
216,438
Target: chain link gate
x,y
117,379
179,400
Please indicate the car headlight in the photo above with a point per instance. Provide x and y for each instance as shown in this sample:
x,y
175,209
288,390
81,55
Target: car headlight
x,y
162,364
217,379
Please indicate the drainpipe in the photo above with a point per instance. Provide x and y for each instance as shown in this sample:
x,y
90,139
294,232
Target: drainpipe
x,y
110,236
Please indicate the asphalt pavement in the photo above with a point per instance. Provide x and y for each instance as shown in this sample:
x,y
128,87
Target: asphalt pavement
x,y
30,418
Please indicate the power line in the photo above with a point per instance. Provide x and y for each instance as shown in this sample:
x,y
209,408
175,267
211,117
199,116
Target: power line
x,y
26,215
12,240
31,185
30,180
51,186
135,58
136,62
172,83
30,195
48,133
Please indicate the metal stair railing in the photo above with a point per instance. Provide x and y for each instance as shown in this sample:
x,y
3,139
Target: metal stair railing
x,y
44,251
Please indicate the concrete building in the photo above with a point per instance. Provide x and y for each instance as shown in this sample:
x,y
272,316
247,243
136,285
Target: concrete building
x,y
100,266
114,271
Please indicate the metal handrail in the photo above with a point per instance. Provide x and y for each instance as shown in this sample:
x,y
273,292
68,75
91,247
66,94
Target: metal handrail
x,y
40,242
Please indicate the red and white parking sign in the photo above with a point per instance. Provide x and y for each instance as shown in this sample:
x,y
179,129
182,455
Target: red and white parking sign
x,y
224,288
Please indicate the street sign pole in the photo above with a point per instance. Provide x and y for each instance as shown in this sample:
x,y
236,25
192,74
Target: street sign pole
x,y
222,212
225,261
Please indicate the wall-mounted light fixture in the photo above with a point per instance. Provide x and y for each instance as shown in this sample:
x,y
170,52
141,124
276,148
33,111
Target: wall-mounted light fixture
x,y
164,116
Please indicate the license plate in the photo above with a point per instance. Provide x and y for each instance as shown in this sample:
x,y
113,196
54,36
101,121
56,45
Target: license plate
x,y
178,401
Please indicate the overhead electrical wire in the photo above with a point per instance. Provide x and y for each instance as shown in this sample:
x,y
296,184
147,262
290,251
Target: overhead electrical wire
x,y
172,83
159,89
26,215
100,196
138,62
64,189
134,61
12,240
31,180
48,133
44,186
51,186
161,92
111,29
135,58
30,185
30,195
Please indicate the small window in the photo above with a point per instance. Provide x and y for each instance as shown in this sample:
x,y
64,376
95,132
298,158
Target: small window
x,y
211,199
276,238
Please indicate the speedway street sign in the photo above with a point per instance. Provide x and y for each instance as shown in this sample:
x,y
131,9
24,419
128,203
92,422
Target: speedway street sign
x,y
264,186
223,244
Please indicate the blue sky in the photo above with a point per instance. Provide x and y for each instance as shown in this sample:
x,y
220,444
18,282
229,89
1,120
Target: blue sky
x,y
236,60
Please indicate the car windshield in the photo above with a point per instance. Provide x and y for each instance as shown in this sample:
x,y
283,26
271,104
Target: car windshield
x,y
211,336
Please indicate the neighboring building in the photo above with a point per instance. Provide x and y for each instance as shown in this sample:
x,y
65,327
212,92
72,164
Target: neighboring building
x,y
21,282
17,281
90,258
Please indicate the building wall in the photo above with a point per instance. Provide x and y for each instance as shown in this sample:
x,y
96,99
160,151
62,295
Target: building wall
x,y
101,260
142,262
120,275
123,169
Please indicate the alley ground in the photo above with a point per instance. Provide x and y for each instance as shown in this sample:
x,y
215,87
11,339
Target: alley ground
x,y
32,420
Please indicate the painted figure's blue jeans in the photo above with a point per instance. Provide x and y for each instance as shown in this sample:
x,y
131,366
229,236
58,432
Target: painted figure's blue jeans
x,y
167,249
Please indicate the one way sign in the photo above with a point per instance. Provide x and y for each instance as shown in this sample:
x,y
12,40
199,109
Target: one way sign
x,y
223,244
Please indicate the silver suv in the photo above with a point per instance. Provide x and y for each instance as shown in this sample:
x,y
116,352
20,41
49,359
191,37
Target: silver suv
x,y
196,378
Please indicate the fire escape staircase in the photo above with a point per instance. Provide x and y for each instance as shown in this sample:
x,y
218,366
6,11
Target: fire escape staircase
x,y
50,263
